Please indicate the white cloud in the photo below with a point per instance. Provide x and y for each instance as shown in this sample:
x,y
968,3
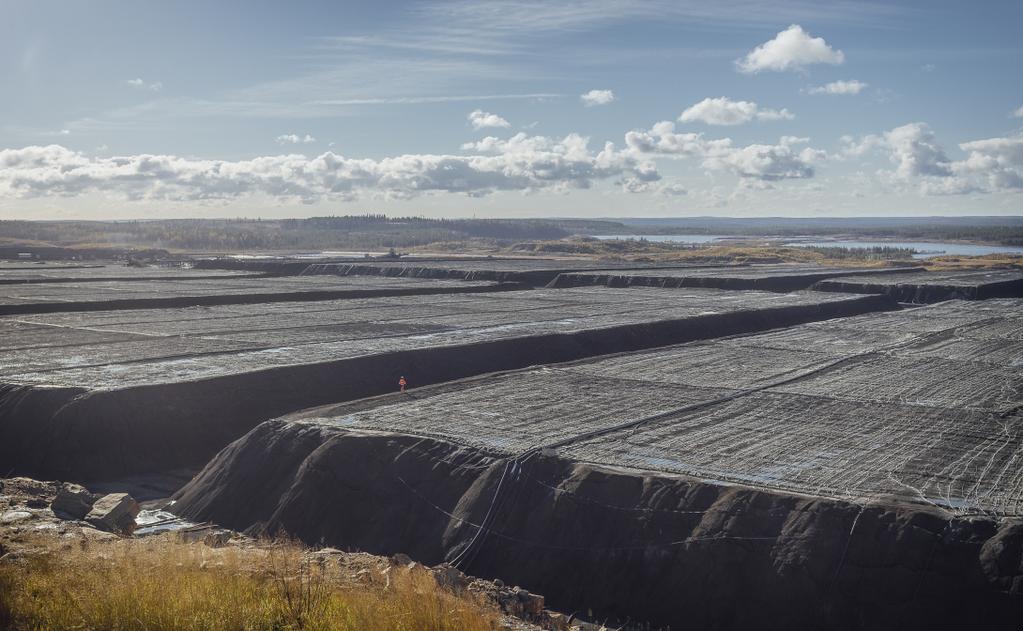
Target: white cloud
x,y
673,190
991,165
294,139
915,152
791,49
155,86
597,97
1018,112
522,163
998,162
853,86
762,163
481,120
766,163
662,139
724,111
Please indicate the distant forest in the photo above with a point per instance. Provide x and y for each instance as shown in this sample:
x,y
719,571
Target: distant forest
x,y
379,232
993,229
360,232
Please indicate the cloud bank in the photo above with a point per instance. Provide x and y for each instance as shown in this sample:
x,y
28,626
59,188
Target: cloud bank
x,y
522,163
991,165
753,164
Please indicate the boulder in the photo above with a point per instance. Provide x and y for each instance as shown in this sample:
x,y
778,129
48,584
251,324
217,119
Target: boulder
x,y
532,604
14,516
557,621
450,577
217,538
114,513
72,502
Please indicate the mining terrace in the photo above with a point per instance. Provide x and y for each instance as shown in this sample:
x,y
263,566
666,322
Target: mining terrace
x,y
705,456
145,388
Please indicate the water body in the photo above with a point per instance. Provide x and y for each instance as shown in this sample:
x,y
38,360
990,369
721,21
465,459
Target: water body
x,y
924,249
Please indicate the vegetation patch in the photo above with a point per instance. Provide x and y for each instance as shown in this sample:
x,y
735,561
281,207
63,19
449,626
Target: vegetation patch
x,y
167,584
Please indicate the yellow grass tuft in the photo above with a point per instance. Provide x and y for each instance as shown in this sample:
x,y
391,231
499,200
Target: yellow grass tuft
x,y
159,584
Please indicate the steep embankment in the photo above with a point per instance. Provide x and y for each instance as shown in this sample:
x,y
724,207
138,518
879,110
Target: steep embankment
x,y
535,272
90,435
407,269
648,546
210,300
931,287
780,278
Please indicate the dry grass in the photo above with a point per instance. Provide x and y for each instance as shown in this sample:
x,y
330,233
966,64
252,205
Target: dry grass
x,y
725,253
164,584
987,261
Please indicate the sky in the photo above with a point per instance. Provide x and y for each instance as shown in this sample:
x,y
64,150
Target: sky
x,y
510,108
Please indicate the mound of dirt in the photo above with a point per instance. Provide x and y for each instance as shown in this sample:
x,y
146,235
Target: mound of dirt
x,y
655,547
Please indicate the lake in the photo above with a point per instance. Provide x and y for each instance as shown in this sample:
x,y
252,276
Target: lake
x,y
925,249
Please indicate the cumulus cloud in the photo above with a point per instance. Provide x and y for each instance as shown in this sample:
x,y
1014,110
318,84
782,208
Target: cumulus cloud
x,y
915,151
766,163
724,111
480,120
756,162
851,86
597,97
522,163
1018,112
990,165
154,86
294,139
791,49
998,162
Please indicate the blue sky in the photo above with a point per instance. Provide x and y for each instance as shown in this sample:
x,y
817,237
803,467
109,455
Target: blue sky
x,y
172,109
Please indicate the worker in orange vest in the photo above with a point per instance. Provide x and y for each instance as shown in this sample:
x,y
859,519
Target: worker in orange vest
x,y
402,383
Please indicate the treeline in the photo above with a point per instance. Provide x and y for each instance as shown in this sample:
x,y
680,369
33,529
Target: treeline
x,y
876,253
348,232
502,229
1001,230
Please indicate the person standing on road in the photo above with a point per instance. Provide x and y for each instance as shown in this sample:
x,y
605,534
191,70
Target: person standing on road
x,y
402,383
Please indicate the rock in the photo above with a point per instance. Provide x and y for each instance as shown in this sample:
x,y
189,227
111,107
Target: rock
x,y
557,621
93,535
532,604
400,559
14,516
72,502
114,513
217,538
450,577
